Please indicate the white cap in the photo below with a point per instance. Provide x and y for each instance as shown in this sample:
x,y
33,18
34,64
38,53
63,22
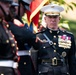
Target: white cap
x,y
27,1
14,4
52,9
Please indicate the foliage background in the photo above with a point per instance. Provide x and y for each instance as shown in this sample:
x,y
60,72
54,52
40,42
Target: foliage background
x,y
68,6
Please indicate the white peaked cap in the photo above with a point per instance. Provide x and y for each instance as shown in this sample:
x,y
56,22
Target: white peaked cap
x,y
52,9
27,1
14,4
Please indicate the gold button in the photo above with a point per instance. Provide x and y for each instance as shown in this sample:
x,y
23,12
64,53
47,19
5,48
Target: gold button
x,y
50,31
7,25
7,41
54,43
13,45
11,38
54,36
2,74
17,48
44,47
16,42
24,63
54,50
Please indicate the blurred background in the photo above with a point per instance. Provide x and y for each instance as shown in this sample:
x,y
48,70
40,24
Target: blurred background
x,y
68,16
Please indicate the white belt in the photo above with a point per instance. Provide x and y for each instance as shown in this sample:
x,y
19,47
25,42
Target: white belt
x,y
23,52
15,65
7,63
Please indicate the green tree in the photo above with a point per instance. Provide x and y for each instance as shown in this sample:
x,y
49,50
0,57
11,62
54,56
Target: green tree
x,y
64,3
64,23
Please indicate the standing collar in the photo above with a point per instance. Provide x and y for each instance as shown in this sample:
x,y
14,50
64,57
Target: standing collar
x,y
54,31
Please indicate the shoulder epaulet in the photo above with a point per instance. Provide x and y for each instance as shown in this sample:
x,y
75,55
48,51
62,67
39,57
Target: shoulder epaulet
x,y
68,32
65,31
41,31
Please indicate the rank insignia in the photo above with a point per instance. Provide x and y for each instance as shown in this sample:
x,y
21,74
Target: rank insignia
x,y
44,40
64,41
64,54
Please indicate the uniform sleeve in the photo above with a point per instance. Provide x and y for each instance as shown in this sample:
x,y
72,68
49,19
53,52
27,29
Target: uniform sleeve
x,y
72,58
21,33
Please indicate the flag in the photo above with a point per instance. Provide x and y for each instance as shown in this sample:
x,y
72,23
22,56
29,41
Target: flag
x,y
33,14
35,7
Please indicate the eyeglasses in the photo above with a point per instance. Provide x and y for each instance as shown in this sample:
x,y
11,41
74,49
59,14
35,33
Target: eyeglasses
x,y
52,16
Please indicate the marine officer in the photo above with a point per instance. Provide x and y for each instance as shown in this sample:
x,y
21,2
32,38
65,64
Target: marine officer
x,y
56,54
8,45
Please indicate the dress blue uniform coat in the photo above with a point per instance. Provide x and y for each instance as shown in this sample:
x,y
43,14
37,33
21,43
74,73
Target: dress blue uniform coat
x,y
24,35
62,46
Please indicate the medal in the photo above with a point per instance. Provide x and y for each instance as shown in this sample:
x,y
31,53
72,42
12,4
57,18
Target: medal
x,y
64,54
64,41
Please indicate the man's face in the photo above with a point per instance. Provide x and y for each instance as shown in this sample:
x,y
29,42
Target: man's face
x,y
5,6
52,21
